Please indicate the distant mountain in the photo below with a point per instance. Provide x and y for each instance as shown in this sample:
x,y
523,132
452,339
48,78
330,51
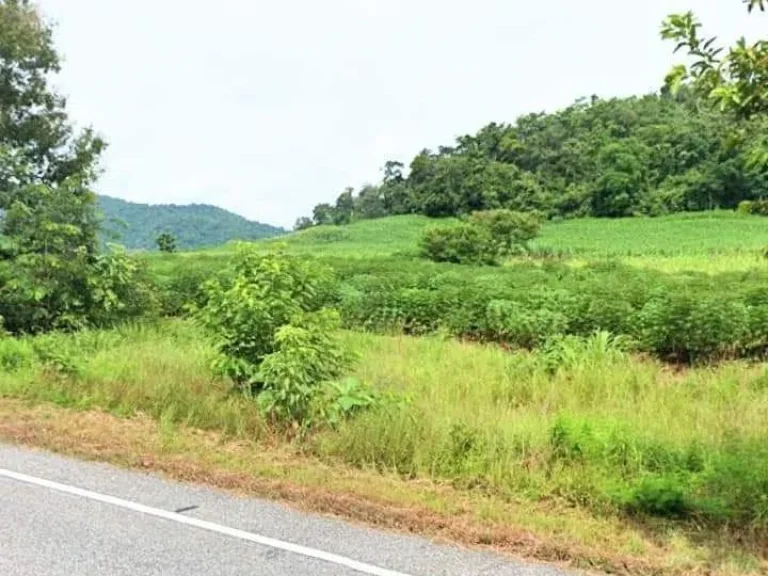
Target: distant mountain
x,y
193,226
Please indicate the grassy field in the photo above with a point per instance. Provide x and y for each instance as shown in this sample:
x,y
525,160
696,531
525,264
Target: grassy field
x,y
577,437
708,242
591,433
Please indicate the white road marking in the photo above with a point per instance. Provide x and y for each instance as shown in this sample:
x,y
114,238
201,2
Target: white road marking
x,y
210,526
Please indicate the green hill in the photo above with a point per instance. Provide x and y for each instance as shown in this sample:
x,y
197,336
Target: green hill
x,y
194,226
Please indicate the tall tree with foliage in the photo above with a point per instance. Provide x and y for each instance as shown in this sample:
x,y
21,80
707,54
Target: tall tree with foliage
x,y
51,273
38,142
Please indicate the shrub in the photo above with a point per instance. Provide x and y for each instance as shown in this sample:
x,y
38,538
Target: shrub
x,y
483,239
759,207
44,292
509,231
273,336
307,355
267,291
745,207
663,497
462,243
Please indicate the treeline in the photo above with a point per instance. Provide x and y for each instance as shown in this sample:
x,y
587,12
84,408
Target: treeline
x,y
649,155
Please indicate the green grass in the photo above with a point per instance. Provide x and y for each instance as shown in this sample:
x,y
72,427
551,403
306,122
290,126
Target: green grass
x,y
711,242
679,235
583,423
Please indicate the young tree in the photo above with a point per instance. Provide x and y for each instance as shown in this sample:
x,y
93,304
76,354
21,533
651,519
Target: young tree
x,y
166,242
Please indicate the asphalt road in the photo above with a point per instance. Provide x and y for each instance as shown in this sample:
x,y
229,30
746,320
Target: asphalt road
x,y
69,518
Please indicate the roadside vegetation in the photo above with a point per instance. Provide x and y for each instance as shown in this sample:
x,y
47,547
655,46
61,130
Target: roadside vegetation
x,y
606,370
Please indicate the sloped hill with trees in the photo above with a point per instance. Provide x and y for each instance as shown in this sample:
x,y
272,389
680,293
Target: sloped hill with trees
x,y
654,154
138,226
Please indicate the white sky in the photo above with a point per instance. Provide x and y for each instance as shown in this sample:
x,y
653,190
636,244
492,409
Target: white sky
x,y
269,107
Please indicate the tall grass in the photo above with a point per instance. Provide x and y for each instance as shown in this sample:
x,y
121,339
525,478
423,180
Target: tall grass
x,y
161,371
579,421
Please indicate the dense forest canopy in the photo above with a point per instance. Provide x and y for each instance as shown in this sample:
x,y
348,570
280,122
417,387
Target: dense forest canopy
x,y
653,154
193,226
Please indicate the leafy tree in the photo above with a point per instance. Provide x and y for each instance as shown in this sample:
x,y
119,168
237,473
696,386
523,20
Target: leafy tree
x,y
166,242
274,337
303,223
51,276
37,140
618,157
344,211
736,79
323,214
369,203
509,231
51,273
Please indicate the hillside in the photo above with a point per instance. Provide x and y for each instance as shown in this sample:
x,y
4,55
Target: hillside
x,y
650,155
717,240
193,226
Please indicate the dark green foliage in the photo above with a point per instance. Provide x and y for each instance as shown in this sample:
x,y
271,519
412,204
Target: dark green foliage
x,y
51,273
651,155
166,243
483,239
462,243
509,231
137,226
35,133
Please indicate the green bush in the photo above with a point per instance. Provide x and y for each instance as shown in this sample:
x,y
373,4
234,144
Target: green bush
x,y
744,207
509,231
267,292
274,337
484,238
759,207
307,356
44,292
461,243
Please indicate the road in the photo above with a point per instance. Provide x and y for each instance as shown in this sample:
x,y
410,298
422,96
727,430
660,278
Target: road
x,y
64,517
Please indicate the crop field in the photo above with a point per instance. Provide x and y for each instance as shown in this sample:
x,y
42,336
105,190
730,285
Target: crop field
x,y
708,242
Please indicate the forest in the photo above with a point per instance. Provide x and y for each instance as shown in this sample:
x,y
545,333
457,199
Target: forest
x,y
649,155
138,226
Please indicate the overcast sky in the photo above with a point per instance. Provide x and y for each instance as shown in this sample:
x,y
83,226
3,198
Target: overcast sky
x,y
269,107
